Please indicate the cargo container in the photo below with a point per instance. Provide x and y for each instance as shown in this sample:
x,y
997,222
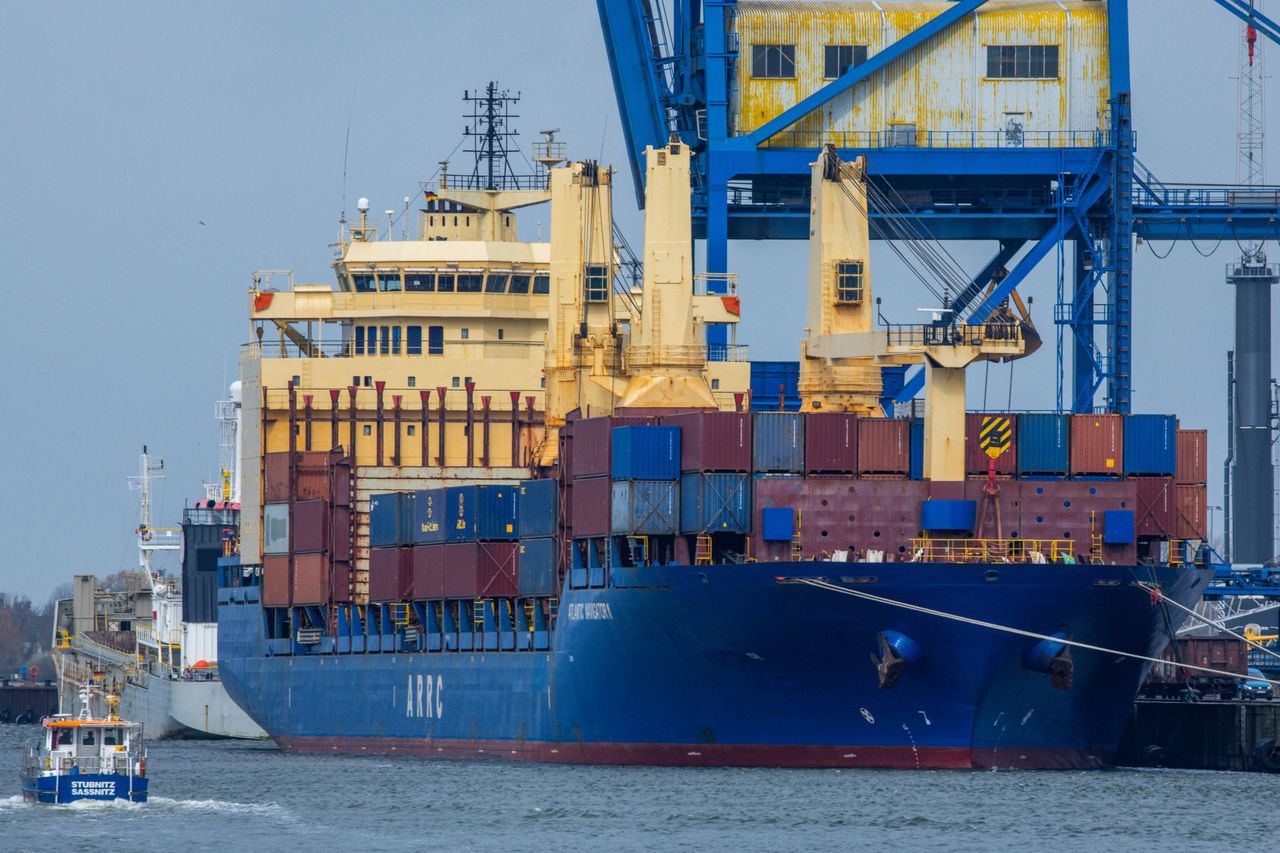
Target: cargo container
x,y
428,516
1150,445
645,508
312,475
713,441
592,443
591,512
340,534
1191,503
1097,445
917,449
648,452
1193,457
1044,445
275,529
1224,653
391,519
277,580
777,440
481,513
538,507
275,477
1156,512
480,570
340,591
310,527
428,571
310,579
715,503
830,443
976,460
884,446
538,566
390,574
769,379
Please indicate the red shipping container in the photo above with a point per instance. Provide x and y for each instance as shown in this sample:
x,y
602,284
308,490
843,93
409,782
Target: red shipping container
x,y
976,460
830,443
313,474
428,571
1192,505
275,477
340,583
310,527
1097,444
1156,513
390,574
591,506
310,579
713,441
1193,457
884,446
480,570
277,581
340,534
593,443
341,485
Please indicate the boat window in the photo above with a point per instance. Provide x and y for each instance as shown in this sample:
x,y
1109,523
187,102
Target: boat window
x,y
435,340
444,282
389,282
372,340
87,738
395,340
66,737
111,737
542,284
469,282
466,334
849,280
496,282
420,281
596,283
363,282
385,349
519,284
413,337
359,340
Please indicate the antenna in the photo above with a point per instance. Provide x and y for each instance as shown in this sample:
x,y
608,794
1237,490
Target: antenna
x,y
1251,121
491,135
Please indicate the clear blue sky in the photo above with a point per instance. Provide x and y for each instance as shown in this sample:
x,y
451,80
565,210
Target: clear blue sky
x,y
127,125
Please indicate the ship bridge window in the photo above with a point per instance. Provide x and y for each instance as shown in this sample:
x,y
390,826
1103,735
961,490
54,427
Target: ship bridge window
x,y
519,283
389,282
359,340
596,283
496,282
542,284
395,340
385,348
110,737
444,282
773,61
413,338
66,737
435,340
469,282
363,282
421,282
849,281
1022,61
371,338
88,738
839,58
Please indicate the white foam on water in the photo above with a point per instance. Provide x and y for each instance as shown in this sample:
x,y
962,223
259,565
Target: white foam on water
x,y
219,806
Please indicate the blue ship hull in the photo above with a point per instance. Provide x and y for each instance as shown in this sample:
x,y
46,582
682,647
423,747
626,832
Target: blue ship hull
x,y
726,665
70,787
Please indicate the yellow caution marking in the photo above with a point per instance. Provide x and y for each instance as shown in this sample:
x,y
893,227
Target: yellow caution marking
x,y
995,435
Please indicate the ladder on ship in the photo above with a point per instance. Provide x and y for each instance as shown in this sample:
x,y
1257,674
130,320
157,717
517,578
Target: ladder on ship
x,y
1095,539
400,612
797,549
702,550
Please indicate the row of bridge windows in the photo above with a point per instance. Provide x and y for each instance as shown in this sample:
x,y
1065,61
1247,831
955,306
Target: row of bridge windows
x,y
430,281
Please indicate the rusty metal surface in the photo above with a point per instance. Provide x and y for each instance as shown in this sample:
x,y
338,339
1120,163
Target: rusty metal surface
x,y
1193,457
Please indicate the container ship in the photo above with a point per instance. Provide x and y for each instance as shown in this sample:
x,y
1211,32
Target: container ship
x,y
501,500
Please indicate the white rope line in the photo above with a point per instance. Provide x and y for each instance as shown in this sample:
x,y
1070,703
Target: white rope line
x,y
968,620
1209,621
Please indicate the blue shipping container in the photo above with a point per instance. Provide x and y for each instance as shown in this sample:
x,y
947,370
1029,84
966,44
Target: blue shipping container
x,y
391,519
481,513
777,523
1150,445
948,515
1044,444
777,442
428,517
537,567
766,379
917,449
646,508
645,453
460,514
715,503
538,508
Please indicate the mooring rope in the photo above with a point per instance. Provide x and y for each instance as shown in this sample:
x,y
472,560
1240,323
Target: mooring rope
x,y
1208,621
1007,629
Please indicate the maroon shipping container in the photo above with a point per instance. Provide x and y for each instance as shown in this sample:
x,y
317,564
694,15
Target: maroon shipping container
x,y
310,527
428,571
976,460
277,581
1097,444
314,470
341,485
1193,457
884,446
593,442
275,477
1192,507
1222,653
591,506
480,570
310,579
390,574
830,443
713,441
340,534
340,583
1156,513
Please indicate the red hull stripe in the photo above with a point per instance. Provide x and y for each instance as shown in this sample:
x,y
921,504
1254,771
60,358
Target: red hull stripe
x,y
709,754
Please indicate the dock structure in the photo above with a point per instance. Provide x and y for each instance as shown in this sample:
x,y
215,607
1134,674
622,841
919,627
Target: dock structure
x,y
1228,735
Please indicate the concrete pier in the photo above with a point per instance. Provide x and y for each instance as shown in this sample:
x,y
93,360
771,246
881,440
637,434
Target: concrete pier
x,y
1202,735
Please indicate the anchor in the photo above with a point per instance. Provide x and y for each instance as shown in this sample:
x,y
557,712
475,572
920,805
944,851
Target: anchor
x,y
1061,669
889,665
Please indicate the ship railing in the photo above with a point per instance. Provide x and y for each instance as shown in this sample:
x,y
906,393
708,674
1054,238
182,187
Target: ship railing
x,y
453,347
927,550
684,356
909,136
952,334
103,653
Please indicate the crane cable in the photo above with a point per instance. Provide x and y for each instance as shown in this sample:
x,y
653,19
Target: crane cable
x,y
969,620
1205,620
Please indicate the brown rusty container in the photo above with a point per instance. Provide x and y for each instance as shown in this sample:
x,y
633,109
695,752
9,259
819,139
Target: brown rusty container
x,y
884,446
976,460
830,443
1097,445
310,527
340,487
390,574
314,472
1193,457
428,571
310,579
713,441
480,570
340,583
1156,513
593,443
340,534
277,581
275,477
1192,507
591,506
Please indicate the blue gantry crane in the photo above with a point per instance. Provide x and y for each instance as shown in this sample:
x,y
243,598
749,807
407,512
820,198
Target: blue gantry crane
x,y
675,66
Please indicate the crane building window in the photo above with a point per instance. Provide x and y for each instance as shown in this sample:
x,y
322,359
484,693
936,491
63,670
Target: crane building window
x,y
773,61
596,283
542,284
849,280
839,58
1022,61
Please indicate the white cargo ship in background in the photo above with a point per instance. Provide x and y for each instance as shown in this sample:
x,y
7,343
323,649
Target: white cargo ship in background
x,y
153,640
